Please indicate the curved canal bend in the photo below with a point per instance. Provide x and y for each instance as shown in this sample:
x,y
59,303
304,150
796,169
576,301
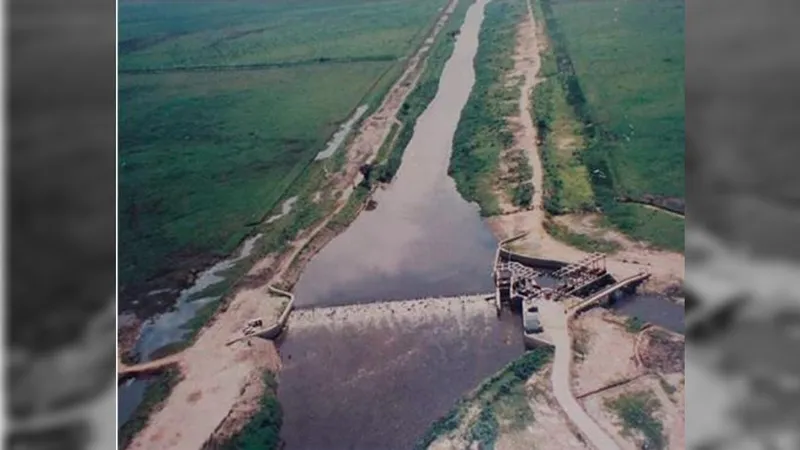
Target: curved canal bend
x,y
377,376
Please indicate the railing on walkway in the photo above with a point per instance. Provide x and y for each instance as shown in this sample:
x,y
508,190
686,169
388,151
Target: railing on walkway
x,y
597,297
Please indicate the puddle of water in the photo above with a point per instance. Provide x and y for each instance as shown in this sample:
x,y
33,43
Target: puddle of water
x,y
286,208
342,133
379,385
168,328
652,308
129,396
423,239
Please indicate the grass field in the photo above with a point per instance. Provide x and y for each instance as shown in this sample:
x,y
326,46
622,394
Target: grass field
x,y
482,134
223,105
619,66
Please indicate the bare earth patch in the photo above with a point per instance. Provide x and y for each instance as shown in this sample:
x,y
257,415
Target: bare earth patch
x,y
550,429
669,414
215,377
610,358
523,75
609,354
662,352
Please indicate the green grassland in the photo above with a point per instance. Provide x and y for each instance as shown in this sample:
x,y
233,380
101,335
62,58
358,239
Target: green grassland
x,y
482,133
240,33
223,106
629,61
619,66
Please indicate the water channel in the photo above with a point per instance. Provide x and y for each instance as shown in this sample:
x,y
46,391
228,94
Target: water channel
x,y
170,327
423,239
378,377
366,384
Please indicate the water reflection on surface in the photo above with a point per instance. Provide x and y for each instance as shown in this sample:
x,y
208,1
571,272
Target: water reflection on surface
x,y
653,308
423,239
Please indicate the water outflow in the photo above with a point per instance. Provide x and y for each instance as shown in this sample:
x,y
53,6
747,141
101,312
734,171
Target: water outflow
x,y
377,376
423,239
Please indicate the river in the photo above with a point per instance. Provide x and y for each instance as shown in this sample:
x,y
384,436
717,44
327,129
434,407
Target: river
x,y
423,239
376,375
362,383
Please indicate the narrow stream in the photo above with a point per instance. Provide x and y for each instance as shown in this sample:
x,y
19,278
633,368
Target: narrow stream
x,y
169,328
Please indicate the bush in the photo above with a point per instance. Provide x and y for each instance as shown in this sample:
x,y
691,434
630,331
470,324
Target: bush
x,y
637,413
523,195
485,429
634,324
530,362
502,385
440,427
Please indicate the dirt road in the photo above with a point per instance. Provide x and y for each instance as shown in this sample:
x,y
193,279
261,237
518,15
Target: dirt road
x,y
667,267
221,384
554,320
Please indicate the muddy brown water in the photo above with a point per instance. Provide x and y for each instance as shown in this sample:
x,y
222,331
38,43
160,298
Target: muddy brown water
x,y
423,239
653,308
379,384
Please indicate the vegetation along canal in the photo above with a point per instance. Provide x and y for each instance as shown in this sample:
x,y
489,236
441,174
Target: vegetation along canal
x,y
376,376
423,239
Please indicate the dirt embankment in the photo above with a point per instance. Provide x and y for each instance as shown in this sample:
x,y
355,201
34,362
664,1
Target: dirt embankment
x,y
362,150
607,368
551,429
528,415
667,267
221,384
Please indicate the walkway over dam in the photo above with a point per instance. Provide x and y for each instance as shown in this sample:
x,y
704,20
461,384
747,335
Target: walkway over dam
x,y
518,277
